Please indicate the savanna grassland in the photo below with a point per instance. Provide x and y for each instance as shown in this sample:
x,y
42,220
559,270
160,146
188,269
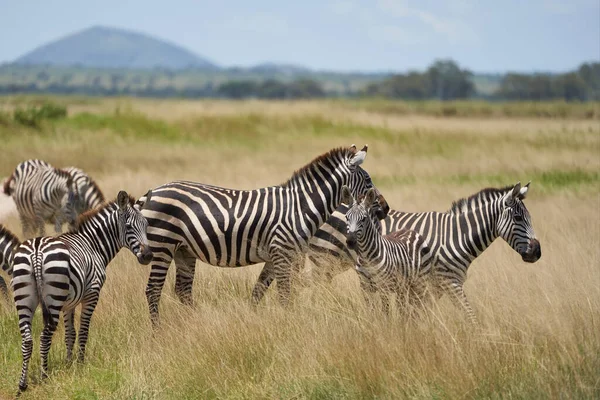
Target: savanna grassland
x,y
540,323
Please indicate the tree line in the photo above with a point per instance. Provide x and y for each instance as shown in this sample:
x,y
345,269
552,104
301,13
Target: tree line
x,y
442,80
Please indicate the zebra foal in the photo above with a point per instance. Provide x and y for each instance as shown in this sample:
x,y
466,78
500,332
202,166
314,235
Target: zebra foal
x,y
394,263
62,272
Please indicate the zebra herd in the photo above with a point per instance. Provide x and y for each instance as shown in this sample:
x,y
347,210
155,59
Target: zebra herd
x,y
329,206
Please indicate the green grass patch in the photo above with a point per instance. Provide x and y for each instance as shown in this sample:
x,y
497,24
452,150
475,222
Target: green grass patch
x,y
477,108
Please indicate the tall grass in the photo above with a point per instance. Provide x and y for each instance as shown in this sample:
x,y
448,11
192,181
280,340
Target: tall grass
x,y
539,335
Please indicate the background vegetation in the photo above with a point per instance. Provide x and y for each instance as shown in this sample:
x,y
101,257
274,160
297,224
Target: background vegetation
x,y
540,334
443,80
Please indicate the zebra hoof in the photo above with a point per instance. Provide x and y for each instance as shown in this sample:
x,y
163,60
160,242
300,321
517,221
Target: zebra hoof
x,y
22,388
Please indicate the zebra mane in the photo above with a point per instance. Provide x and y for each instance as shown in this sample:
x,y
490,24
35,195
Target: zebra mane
x,y
463,205
90,214
4,232
344,152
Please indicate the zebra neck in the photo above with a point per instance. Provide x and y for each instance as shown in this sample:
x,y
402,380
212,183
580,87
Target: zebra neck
x,y
370,243
477,228
102,234
319,188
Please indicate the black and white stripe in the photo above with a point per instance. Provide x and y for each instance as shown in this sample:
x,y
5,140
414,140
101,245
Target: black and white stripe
x,y
89,195
8,243
232,228
62,272
394,263
43,194
456,237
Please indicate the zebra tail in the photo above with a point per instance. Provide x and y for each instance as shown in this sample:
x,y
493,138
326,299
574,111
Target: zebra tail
x,y
8,185
39,282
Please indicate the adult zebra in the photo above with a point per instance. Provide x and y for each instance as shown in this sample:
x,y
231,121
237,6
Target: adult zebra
x,y
233,228
456,237
397,262
62,272
43,194
8,242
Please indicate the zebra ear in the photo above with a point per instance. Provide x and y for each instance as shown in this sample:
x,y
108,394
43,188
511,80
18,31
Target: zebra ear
x,y
370,198
523,191
359,157
516,190
353,148
122,199
347,196
139,205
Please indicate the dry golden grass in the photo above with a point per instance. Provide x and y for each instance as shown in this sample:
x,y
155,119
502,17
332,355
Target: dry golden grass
x,y
540,334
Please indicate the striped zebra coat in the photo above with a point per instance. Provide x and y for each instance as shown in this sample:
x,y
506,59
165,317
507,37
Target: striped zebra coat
x,y
62,272
397,262
456,237
8,243
43,194
232,228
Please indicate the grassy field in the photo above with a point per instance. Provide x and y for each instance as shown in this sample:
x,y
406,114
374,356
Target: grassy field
x,y
540,333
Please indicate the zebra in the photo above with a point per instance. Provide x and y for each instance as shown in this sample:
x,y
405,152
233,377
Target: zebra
x,y
397,262
42,194
64,271
234,228
456,237
8,242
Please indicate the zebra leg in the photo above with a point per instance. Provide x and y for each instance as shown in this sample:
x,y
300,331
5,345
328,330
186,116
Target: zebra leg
x,y
266,277
25,308
40,226
455,289
3,287
87,309
45,342
26,349
26,226
69,317
156,281
185,264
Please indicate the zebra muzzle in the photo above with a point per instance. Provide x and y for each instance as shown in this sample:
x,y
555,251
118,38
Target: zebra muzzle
x,y
534,252
145,255
351,241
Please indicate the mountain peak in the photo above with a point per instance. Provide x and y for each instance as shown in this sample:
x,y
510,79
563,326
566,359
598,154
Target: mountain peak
x,y
108,47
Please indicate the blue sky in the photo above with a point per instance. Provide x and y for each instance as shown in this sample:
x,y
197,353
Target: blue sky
x,y
376,35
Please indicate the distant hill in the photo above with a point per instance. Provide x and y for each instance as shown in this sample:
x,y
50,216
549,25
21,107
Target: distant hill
x,y
104,47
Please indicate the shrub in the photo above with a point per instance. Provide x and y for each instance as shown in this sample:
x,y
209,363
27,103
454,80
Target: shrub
x,y
32,116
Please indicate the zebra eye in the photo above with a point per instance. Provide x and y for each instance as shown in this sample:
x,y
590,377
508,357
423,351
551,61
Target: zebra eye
x,y
518,218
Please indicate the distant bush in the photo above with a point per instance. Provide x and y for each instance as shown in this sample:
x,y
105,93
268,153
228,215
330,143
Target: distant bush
x,y
33,115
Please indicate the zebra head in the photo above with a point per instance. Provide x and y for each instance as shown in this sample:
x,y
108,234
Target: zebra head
x,y
360,213
133,228
515,226
360,181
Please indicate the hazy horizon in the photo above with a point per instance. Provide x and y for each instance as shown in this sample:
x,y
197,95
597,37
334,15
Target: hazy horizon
x,y
350,36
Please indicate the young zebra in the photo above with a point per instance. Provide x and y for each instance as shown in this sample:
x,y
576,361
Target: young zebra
x,y
394,263
8,242
62,272
42,194
456,237
233,228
